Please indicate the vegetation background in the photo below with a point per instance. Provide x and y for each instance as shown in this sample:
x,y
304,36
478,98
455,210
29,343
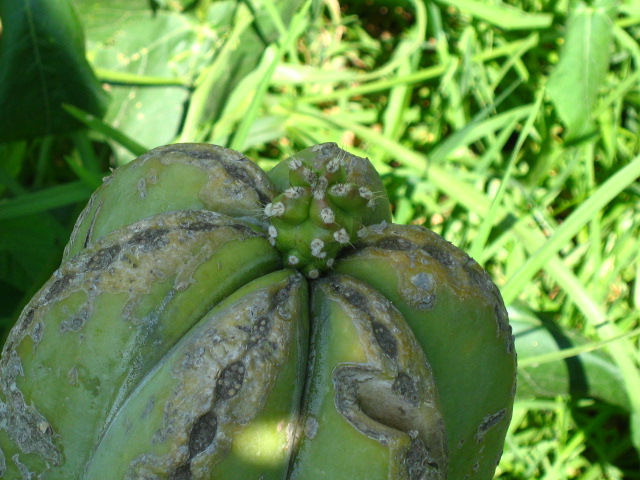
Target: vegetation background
x,y
509,127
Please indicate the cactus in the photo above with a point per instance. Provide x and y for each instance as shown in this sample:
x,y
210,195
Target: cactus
x,y
213,321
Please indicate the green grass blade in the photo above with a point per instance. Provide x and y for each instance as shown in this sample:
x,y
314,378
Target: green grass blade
x,y
196,116
584,61
126,78
44,200
108,131
575,351
606,192
481,237
298,25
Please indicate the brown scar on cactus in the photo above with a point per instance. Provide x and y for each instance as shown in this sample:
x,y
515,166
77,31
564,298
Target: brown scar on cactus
x,y
428,279
200,417
127,265
488,423
391,398
366,398
419,288
199,176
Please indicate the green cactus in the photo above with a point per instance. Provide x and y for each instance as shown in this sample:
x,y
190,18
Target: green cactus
x,y
213,321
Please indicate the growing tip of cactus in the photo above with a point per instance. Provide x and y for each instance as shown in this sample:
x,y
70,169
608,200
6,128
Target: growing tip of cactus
x,y
324,204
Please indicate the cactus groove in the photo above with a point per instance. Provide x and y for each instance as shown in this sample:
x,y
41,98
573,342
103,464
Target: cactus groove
x,y
213,321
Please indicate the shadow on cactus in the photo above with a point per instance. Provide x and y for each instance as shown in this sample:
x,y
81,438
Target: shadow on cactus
x,y
211,320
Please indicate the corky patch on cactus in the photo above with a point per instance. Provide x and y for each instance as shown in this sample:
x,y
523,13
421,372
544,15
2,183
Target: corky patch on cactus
x,y
320,213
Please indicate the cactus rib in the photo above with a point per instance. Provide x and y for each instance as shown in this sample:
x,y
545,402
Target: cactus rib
x,y
458,317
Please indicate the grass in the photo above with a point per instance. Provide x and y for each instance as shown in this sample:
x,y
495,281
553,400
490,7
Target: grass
x,y
478,137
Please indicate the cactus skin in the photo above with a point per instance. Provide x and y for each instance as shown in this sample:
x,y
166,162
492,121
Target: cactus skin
x,y
194,176
176,341
115,310
179,396
383,387
470,349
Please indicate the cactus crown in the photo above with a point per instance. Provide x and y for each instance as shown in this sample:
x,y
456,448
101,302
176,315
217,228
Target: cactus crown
x,y
321,213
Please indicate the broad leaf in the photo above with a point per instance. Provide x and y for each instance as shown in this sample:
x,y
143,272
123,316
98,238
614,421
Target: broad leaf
x,y
170,71
584,62
591,374
145,57
42,67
